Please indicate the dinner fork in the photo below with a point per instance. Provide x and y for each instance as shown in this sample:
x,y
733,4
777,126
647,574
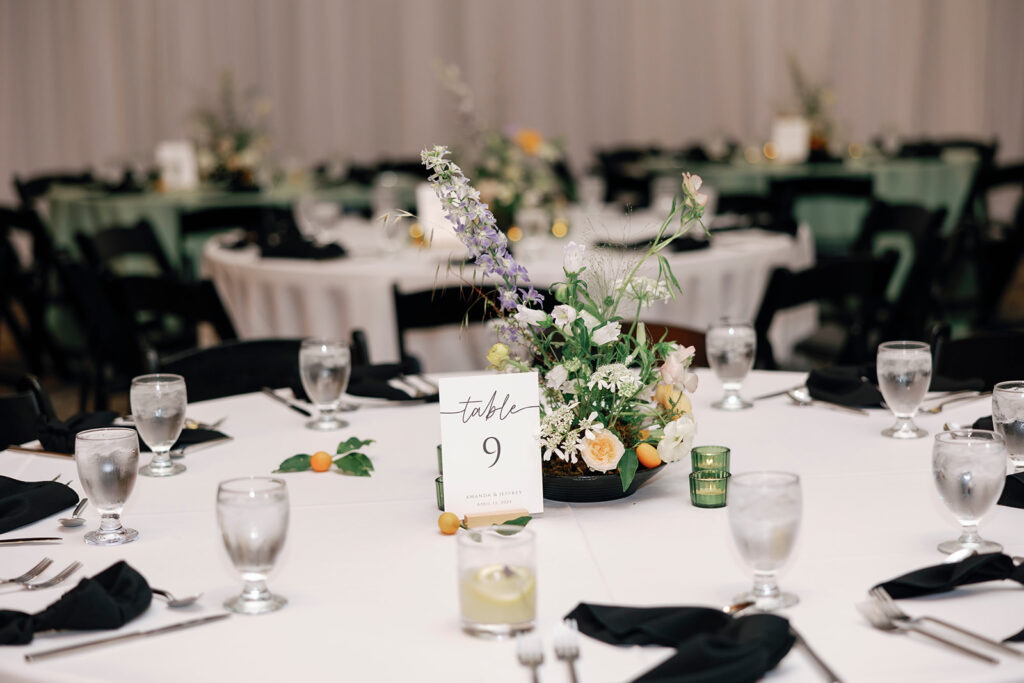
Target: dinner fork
x,y
969,396
893,611
31,573
874,614
567,645
530,651
50,583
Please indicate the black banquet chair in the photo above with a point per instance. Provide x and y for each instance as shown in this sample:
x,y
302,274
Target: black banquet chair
x,y
20,412
854,288
237,367
985,358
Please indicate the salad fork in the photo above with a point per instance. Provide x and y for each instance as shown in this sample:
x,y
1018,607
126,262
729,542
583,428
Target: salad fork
x,y
567,645
893,611
50,583
530,651
31,573
962,396
874,614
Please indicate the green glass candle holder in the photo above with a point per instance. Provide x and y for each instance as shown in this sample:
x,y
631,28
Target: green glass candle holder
x,y
439,492
709,458
440,467
708,487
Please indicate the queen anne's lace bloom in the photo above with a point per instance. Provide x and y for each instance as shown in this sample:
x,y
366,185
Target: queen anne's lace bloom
x,y
616,378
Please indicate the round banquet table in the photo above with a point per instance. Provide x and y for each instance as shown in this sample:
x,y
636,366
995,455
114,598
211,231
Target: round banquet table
x,y
276,297
371,583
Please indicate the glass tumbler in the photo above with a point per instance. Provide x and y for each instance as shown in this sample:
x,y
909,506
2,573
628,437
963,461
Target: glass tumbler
x,y
1008,418
497,580
730,348
764,515
108,463
904,373
324,367
253,516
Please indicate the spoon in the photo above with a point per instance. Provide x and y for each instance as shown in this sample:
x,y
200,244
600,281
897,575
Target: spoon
x,y
964,553
801,396
738,607
174,602
75,519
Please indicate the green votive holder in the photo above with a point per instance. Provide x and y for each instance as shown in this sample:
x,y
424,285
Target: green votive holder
x,y
439,491
710,458
707,488
440,467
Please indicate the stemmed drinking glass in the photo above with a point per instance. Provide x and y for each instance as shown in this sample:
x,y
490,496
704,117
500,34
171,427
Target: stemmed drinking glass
x,y
158,409
324,367
108,462
969,466
904,373
730,349
764,516
253,516
1008,418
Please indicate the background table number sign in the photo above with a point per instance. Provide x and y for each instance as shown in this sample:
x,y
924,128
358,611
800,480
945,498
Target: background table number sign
x,y
489,427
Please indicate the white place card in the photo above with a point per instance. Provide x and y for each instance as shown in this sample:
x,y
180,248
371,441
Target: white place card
x,y
489,428
179,170
792,138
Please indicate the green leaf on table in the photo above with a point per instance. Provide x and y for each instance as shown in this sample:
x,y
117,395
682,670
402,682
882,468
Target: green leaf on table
x,y
352,444
355,464
518,521
627,467
296,463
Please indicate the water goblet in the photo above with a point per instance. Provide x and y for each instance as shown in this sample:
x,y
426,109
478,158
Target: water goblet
x,y
730,348
904,373
108,462
324,367
764,516
158,409
253,516
969,466
1008,418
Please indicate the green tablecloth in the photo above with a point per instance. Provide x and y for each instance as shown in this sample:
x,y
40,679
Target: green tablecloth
x,y
835,221
73,209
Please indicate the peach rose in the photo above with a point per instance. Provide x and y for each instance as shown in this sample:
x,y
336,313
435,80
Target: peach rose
x,y
603,451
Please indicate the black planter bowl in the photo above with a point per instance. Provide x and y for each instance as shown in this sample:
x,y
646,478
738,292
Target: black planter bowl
x,y
594,488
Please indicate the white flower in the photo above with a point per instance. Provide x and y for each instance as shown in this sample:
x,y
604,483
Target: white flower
x,y
603,451
556,377
692,183
530,316
617,378
563,315
572,257
674,370
678,438
607,333
589,320
590,426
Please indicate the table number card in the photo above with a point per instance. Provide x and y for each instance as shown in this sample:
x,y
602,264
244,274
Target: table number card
x,y
489,428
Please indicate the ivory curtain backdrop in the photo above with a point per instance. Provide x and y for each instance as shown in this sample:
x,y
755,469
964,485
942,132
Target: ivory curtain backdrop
x,y
101,82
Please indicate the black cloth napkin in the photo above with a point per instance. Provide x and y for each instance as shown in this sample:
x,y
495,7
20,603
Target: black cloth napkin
x,y
59,437
711,646
301,249
371,381
857,385
25,502
678,244
108,600
945,577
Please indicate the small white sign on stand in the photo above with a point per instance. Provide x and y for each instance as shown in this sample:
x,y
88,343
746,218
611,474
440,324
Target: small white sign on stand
x,y
489,428
792,138
179,170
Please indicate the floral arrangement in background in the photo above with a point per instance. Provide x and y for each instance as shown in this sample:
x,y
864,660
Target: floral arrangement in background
x,y
514,167
816,103
612,397
231,138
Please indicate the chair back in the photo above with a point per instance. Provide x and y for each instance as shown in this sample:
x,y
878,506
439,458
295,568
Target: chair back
x,y
126,251
741,211
989,358
20,412
237,367
35,187
854,286
683,336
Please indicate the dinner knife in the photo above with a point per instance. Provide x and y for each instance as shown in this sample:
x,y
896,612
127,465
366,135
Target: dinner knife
x,y
36,656
33,539
281,399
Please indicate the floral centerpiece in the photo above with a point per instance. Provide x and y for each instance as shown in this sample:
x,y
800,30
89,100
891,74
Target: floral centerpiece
x,y
816,102
613,398
515,167
231,139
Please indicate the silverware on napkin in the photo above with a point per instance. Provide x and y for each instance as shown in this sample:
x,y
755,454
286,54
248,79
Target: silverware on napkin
x,y
32,539
44,654
281,399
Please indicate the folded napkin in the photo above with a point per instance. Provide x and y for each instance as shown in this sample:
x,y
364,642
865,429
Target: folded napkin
x,y
301,249
108,600
857,385
678,244
371,381
25,502
59,437
945,577
711,646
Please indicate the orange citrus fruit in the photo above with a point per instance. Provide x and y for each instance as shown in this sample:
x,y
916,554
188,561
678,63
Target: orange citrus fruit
x,y
648,455
448,523
320,461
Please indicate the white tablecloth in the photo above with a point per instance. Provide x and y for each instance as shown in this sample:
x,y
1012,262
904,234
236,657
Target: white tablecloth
x,y
371,583
298,298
